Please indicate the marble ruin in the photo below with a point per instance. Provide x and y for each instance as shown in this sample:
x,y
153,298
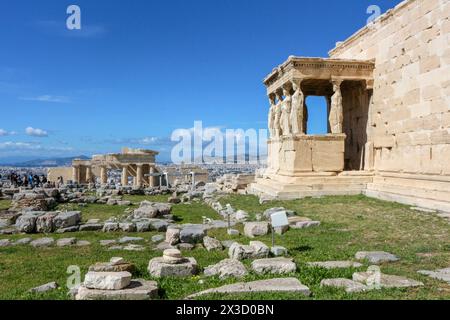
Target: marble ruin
x,y
387,91
137,164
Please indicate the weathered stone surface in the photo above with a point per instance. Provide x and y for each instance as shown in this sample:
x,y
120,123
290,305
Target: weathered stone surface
x,y
110,227
107,280
68,229
185,246
172,236
137,290
130,239
5,242
82,243
22,241
350,286
45,287
440,274
385,280
157,238
107,242
254,229
27,222
8,218
42,242
143,226
192,234
305,224
134,247
111,267
212,244
44,223
64,242
227,268
91,227
278,251
260,250
227,243
152,210
335,264
67,219
127,227
274,266
376,257
158,225
291,285
241,215
157,267
239,252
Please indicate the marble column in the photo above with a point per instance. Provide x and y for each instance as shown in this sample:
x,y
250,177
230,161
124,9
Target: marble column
x,y
76,173
88,174
103,175
139,175
151,179
124,179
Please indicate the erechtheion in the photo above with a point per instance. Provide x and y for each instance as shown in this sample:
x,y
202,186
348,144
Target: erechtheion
x,y
387,89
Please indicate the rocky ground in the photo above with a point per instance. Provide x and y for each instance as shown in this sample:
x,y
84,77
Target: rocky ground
x,y
203,243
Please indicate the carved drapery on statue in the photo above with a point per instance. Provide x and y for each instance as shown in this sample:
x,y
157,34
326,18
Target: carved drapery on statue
x,y
271,120
336,111
297,111
277,117
286,112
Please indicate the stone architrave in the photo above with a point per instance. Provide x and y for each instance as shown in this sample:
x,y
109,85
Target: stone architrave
x,y
277,117
297,112
336,111
286,112
271,118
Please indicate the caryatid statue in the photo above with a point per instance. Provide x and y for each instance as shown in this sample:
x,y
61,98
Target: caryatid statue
x,y
271,121
336,111
297,112
277,117
286,112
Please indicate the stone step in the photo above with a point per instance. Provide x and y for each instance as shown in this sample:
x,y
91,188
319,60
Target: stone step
x,y
286,285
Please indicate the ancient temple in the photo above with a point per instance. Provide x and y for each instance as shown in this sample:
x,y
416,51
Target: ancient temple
x,y
139,164
387,91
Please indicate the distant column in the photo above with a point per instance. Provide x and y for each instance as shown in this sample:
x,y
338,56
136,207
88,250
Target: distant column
x,y
151,179
124,180
75,173
88,174
139,175
103,175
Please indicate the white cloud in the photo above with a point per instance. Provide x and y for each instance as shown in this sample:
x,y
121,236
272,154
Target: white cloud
x,y
36,132
19,145
4,133
47,98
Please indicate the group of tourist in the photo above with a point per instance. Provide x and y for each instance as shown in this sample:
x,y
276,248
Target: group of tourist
x,y
26,180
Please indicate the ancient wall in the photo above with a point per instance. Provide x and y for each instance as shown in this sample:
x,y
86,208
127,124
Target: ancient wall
x,y
355,102
54,173
409,118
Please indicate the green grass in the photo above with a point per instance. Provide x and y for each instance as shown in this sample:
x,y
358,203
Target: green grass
x,y
183,213
349,224
5,204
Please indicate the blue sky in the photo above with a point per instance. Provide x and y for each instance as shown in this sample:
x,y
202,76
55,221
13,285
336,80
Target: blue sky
x,y
137,70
